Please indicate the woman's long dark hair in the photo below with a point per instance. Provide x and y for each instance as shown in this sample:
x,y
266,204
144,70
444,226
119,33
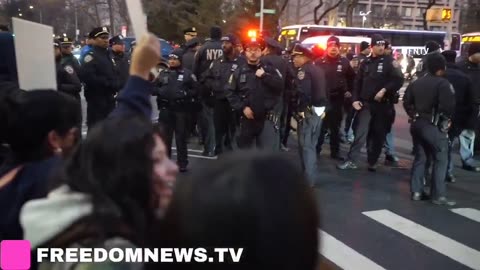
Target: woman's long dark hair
x,y
114,166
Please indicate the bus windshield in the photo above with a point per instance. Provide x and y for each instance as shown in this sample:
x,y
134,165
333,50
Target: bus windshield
x,y
467,40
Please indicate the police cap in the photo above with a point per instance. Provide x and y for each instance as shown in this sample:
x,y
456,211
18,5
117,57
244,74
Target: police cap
x,y
230,38
254,43
301,49
65,41
98,31
190,31
117,40
377,40
176,54
333,41
273,43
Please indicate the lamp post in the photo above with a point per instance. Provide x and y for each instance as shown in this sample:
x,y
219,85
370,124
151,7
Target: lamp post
x,y
364,17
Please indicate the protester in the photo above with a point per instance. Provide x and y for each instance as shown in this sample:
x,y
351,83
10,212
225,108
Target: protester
x,y
40,127
261,203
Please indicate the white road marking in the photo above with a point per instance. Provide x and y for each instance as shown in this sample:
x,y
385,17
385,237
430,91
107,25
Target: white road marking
x,y
440,243
344,256
470,213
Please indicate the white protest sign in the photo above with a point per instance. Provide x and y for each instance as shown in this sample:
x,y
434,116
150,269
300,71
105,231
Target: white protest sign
x,y
34,53
137,18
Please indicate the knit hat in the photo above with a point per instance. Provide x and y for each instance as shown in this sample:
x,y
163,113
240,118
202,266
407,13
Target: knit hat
x,y
364,45
333,40
435,62
377,40
432,46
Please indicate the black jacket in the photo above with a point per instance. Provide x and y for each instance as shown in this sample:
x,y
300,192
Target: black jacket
x,y
374,74
122,64
188,58
465,108
427,95
340,75
218,74
67,79
99,75
69,59
245,89
210,51
175,89
311,87
473,72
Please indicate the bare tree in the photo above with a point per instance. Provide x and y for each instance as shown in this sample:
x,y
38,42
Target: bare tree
x,y
430,4
317,18
283,7
351,4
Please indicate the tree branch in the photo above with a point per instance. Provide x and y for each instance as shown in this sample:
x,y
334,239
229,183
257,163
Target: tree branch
x,y
328,10
430,4
315,11
284,6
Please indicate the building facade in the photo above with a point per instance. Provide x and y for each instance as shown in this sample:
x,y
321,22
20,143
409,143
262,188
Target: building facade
x,y
398,14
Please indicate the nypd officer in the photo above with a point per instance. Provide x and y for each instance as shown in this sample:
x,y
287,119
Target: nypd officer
x,y
66,47
100,76
67,79
253,90
312,104
122,61
216,78
189,34
210,51
375,92
175,87
430,103
339,86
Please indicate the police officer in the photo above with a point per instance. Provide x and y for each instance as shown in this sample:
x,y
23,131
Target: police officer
x,y
175,87
216,78
100,77
191,47
66,46
364,51
375,92
210,51
430,47
67,79
430,103
254,90
189,34
122,60
312,104
87,48
339,87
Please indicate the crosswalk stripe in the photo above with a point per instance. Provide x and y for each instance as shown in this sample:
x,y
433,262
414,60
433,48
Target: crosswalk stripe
x,y
470,213
344,256
442,244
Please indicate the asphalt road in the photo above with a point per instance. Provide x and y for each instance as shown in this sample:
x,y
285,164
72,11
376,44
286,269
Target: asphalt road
x,y
369,222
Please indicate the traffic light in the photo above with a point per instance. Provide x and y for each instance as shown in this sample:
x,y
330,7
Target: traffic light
x,y
446,14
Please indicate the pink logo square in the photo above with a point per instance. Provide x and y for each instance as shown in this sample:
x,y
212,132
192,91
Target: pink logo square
x,y
15,255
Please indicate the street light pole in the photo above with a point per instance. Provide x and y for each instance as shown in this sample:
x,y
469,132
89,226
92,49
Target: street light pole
x,y
261,15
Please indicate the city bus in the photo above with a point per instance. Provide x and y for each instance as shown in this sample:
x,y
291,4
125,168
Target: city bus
x,y
468,39
406,42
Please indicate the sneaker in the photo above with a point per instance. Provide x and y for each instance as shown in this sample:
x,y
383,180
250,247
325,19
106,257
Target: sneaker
x,y
443,201
284,148
372,167
391,160
347,165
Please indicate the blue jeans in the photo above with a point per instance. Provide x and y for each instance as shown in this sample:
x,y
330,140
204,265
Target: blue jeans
x,y
390,144
308,132
467,140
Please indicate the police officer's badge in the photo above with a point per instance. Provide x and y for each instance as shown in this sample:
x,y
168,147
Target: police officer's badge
x,y
88,58
194,30
69,69
452,89
194,78
104,28
301,75
180,77
339,68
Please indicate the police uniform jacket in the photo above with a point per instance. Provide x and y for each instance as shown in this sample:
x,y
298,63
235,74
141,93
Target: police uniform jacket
x,y
218,74
100,74
311,87
428,95
465,110
245,89
67,80
339,73
374,74
188,58
211,50
122,64
70,59
175,89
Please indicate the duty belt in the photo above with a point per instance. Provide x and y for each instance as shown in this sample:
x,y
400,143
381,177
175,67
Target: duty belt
x,y
274,118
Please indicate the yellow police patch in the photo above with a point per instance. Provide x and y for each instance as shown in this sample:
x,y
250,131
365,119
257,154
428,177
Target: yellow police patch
x,y
301,75
88,58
